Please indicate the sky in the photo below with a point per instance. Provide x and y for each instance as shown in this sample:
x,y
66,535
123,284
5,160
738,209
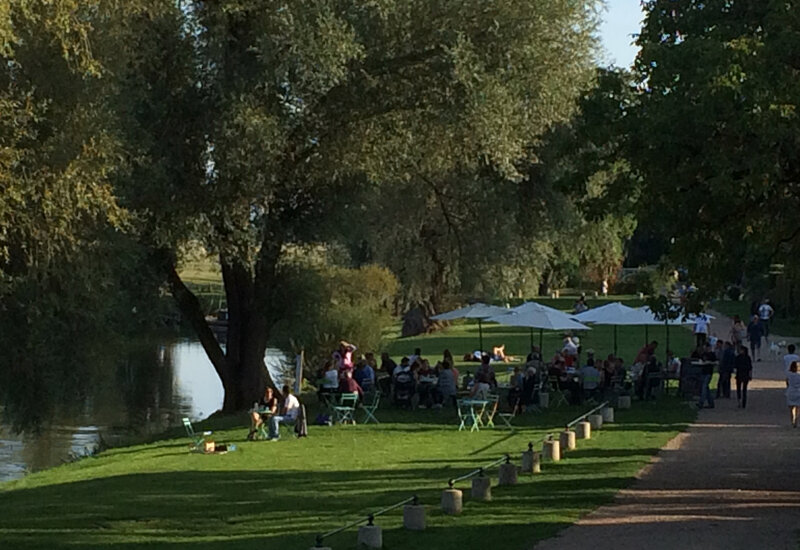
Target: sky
x,y
622,19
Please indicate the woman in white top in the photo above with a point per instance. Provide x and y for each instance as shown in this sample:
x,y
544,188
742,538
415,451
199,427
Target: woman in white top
x,y
793,391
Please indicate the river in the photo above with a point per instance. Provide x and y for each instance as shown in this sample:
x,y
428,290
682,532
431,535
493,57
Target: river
x,y
145,390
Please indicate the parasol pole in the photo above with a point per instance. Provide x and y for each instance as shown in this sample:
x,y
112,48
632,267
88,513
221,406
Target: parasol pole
x,y
541,349
480,336
615,340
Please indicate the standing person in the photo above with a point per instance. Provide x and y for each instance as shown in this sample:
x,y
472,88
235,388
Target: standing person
x,y
700,329
789,358
755,330
744,373
727,358
793,391
738,333
604,287
765,313
709,360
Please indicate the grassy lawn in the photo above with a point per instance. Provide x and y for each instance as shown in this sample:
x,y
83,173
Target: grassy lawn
x,y
281,494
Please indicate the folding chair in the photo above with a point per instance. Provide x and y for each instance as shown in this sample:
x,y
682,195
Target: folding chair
x,y
370,405
557,395
198,440
490,410
345,408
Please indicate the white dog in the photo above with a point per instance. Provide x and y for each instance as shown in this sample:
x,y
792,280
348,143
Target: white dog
x,y
776,349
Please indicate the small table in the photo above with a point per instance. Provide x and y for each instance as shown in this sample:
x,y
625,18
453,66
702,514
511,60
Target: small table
x,y
477,408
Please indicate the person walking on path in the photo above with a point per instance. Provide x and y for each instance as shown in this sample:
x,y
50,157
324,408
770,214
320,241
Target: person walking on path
x,y
725,370
744,373
793,391
789,358
709,360
765,313
738,333
755,330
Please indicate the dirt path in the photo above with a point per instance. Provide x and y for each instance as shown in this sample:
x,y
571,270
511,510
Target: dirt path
x,y
729,482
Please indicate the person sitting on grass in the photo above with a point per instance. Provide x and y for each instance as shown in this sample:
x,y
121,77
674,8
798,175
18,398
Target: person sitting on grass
x,y
261,412
288,414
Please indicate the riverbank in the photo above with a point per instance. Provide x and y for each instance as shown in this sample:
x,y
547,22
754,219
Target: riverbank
x,y
282,494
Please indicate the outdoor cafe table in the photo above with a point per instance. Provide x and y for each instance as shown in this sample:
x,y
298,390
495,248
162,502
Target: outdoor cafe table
x,y
477,408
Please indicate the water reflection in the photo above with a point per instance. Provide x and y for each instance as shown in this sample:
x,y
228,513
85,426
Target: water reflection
x,y
139,391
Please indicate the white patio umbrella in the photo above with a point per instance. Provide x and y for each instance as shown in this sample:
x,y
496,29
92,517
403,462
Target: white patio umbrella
x,y
613,314
477,311
533,315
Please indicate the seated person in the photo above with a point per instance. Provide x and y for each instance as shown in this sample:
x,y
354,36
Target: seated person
x,y
570,348
425,384
530,383
590,357
487,371
349,385
446,385
364,375
591,378
330,379
481,387
468,381
534,355
288,414
580,306
268,405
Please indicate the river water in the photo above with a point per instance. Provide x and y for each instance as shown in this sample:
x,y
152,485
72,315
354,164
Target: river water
x,y
148,389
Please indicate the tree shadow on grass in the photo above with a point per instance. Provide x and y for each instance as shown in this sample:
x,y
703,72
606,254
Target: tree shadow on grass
x,y
280,509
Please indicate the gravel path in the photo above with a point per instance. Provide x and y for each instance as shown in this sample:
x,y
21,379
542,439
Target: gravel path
x,y
728,482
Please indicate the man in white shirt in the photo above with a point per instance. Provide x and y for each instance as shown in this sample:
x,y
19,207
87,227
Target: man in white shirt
x,y
701,326
789,358
765,313
289,411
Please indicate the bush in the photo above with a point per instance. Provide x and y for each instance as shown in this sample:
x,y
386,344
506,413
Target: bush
x,y
329,304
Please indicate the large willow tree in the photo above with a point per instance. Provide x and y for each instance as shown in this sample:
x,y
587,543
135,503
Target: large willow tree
x,y
249,124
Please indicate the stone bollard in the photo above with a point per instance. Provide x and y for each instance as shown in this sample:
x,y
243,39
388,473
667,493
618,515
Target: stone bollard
x,y
584,430
608,415
596,420
508,474
414,517
624,402
370,536
481,488
567,440
452,501
552,450
526,460
544,399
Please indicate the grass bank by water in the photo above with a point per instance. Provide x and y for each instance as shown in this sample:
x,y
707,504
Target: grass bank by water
x,y
281,494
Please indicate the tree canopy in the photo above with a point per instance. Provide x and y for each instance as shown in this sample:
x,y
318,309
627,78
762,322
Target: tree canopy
x,y
715,137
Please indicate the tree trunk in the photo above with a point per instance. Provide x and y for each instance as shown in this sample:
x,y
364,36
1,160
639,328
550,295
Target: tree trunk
x,y
241,366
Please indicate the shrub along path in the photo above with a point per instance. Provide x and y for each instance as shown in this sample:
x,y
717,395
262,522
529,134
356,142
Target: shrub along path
x,y
729,482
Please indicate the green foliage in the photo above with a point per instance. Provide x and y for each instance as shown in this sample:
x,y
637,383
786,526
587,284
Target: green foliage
x,y
329,304
715,135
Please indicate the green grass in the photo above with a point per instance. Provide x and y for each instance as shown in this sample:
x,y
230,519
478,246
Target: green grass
x,y
280,495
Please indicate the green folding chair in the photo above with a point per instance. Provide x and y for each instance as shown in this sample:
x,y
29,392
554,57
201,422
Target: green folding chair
x,y
198,440
370,405
491,409
466,413
345,408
